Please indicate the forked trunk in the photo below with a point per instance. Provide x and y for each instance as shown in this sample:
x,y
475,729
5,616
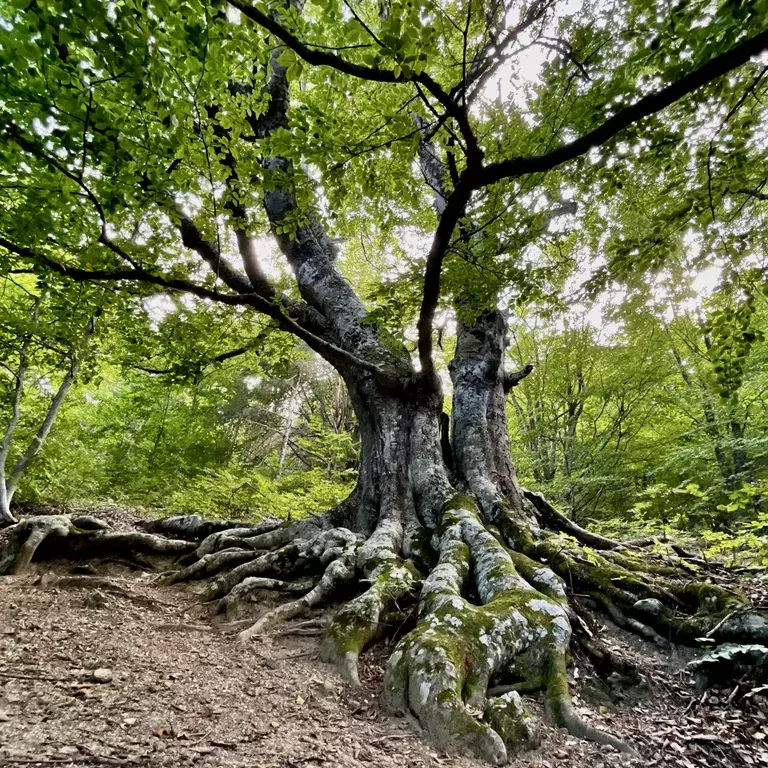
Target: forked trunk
x,y
402,462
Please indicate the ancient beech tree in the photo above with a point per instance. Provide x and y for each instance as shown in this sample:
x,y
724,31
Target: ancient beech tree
x,y
149,143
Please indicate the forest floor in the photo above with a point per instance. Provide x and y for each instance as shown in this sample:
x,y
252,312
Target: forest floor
x,y
133,673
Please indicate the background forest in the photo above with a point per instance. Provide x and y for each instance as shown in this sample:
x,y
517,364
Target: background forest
x,y
627,419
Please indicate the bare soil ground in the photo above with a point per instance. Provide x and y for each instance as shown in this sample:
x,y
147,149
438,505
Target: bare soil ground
x,y
174,690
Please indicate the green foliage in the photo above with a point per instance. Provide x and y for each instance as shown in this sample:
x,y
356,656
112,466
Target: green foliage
x,y
210,443
117,119
242,494
624,418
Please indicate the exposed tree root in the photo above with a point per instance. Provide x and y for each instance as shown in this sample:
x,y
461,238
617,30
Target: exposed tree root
x,y
196,528
79,537
442,670
363,618
561,523
211,564
497,613
339,572
251,586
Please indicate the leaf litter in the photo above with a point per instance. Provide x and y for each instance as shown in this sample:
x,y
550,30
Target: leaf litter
x,y
135,675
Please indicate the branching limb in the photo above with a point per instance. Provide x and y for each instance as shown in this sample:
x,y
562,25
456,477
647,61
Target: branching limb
x,y
511,380
649,105
326,58
141,275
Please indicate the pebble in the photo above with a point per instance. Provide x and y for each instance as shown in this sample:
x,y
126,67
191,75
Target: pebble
x,y
102,675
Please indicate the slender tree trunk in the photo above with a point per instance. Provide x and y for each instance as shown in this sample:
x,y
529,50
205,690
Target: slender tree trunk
x,y
5,445
11,484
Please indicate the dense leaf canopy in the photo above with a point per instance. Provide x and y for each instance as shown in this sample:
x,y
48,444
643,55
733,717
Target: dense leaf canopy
x,y
591,158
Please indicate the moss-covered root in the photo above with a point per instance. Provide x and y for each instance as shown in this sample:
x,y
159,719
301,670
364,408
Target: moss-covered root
x,y
656,601
230,548
561,710
339,573
507,715
427,671
362,619
441,670
85,535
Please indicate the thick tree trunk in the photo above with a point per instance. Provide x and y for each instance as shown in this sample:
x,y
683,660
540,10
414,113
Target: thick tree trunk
x,y
401,464
471,551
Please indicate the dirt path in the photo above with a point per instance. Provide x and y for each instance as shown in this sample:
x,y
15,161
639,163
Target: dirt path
x,y
177,692
181,693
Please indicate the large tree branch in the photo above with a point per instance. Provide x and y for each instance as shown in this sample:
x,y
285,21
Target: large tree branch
x,y
449,209
511,380
191,237
324,57
310,251
454,209
259,303
255,282
645,107
521,166
245,244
